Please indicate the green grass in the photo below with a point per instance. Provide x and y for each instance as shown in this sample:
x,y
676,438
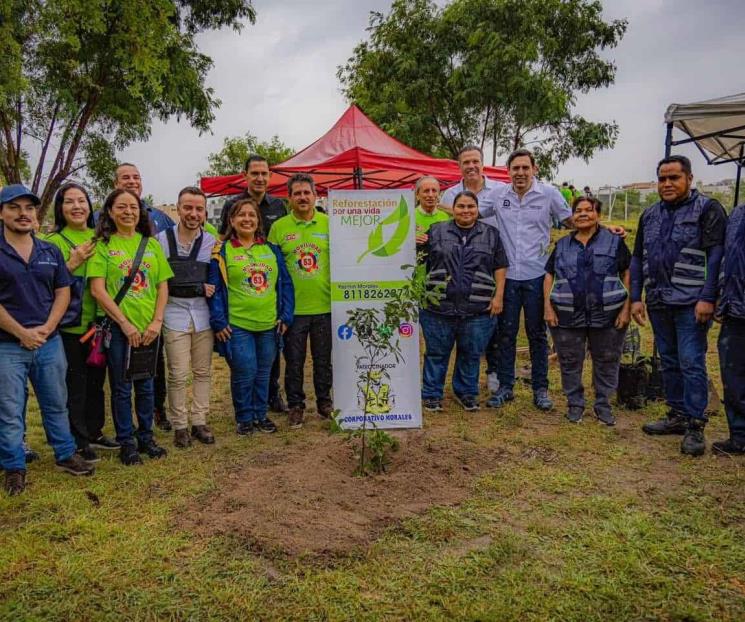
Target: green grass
x,y
577,523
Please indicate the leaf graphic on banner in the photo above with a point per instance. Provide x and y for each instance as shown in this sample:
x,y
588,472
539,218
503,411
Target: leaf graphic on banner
x,y
375,243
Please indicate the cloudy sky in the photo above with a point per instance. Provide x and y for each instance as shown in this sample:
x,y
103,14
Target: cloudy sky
x,y
279,77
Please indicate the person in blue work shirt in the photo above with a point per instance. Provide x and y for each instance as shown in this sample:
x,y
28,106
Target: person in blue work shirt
x,y
466,266
678,249
731,312
471,163
34,295
587,303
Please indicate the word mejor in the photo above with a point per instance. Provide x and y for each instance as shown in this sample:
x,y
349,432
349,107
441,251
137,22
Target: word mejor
x,y
360,213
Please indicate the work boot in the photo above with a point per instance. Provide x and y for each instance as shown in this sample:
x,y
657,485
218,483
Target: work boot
x,y
674,423
325,408
729,447
694,443
541,399
15,482
129,455
160,419
181,438
277,404
295,418
203,434
152,449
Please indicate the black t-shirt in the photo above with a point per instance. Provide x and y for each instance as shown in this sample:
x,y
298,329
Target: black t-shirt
x,y
713,227
623,257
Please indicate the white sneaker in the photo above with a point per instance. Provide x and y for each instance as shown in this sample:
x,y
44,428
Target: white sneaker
x,y
492,382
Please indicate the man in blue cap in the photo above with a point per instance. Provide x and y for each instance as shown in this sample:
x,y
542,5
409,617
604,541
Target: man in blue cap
x,y
34,294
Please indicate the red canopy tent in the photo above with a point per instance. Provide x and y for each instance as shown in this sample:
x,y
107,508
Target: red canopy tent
x,y
355,153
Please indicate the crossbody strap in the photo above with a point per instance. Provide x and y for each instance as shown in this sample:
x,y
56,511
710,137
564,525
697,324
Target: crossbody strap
x,y
132,272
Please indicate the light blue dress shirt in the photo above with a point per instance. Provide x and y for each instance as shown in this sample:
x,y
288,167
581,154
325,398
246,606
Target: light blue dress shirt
x,y
484,195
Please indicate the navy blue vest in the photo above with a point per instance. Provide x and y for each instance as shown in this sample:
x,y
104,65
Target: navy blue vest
x,y
732,275
460,270
674,261
587,291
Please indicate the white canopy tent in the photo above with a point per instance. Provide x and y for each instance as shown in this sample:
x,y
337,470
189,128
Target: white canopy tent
x,y
716,126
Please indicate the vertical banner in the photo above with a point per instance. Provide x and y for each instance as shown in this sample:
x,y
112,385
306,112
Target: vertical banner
x,y
372,236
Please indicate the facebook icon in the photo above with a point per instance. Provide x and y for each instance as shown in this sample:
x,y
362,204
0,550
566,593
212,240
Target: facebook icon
x,y
344,332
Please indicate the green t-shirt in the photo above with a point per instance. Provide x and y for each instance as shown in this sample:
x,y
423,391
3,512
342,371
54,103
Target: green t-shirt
x,y
89,303
566,192
305,245
252,286
210,228
425,220
113,261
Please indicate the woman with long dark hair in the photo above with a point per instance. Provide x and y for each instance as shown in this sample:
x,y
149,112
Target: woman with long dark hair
x,y
74,235
251,308
124,233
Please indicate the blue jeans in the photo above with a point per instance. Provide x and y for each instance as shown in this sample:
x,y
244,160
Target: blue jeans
x,y
732,362
121,395
470,336
500,355
681,342
250,356
45,368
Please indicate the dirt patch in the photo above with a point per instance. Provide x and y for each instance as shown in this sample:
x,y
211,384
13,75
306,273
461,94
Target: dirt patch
x,y
304,500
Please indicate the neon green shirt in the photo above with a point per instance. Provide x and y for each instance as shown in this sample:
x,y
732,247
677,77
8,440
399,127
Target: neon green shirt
x,y
210,228
305,245
112,261
425,220
89,303
252,286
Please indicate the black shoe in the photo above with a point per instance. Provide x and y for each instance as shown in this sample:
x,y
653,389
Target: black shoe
x,y
267,426
432,406
87,454
75,465
29,454
104,442
152,449
694,443
673,423
541,400
129,455
160,419
468,403
277,404
245,428
15,482
574,415
728,448
606,417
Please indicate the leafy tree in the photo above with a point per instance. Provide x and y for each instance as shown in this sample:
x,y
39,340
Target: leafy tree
x,y
231,159
502,73
80,79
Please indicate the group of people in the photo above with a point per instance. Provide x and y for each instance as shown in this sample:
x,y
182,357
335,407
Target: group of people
x,y
107,291
493,260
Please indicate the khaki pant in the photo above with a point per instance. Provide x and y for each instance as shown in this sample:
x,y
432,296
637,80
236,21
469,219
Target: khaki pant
x,y
188,352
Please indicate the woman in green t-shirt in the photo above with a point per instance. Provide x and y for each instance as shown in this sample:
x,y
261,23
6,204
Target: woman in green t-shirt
x,y
73,234
251,308
137,320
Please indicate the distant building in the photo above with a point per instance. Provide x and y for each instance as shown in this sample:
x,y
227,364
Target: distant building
x,y
644,188
725,186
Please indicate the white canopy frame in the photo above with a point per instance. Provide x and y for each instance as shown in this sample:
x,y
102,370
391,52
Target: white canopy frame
x,y
715,126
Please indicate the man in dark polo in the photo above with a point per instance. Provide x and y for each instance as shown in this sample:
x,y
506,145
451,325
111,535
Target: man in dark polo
x,y
34,295
257,176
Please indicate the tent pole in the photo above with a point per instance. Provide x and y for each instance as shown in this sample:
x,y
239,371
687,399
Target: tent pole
x,y
668,140
739,175
358,178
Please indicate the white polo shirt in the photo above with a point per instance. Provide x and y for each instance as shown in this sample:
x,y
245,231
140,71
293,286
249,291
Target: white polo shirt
x,y
484,195
181,313
525,226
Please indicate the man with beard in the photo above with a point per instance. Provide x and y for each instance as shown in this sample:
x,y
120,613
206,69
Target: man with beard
x,y
257,175
303,237
188,336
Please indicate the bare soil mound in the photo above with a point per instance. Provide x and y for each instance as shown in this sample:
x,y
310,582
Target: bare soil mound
x,y
304,499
